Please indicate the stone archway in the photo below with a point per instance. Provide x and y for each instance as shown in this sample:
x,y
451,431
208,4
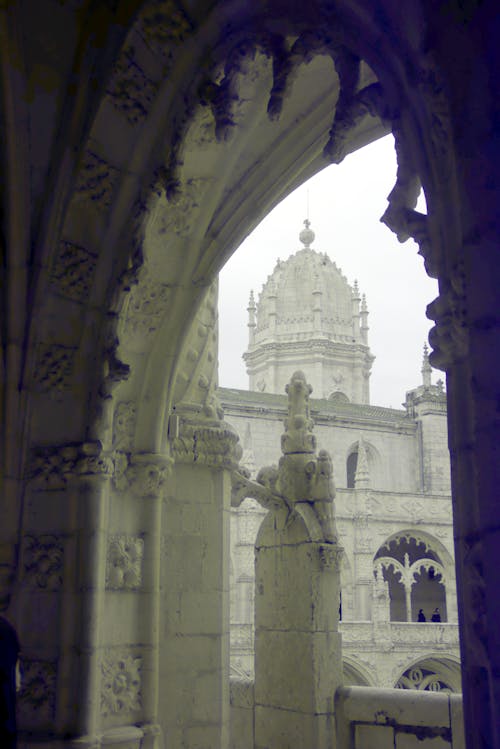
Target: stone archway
x,y
102,316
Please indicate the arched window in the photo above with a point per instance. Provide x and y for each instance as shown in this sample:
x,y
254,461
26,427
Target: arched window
x,y
431,675
352,464
416,580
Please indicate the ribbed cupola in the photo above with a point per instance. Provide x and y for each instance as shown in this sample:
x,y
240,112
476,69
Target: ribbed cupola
x,y
308,317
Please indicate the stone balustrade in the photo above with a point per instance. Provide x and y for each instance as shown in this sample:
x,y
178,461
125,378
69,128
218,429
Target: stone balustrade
x,y
371,718
403,633
368,718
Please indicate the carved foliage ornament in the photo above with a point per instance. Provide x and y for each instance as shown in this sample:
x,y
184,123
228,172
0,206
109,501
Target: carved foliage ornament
x,y
121,673
97,181
144,475
146,304
216,445
53,467
124,425
73,271
43,561
124,562
130,90
54,367
38,691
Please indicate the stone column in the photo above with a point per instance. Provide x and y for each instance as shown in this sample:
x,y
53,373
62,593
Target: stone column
x,y
297,643
60,599
194,655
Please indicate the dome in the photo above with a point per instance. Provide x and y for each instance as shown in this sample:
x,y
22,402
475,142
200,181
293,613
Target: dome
x,y
305,294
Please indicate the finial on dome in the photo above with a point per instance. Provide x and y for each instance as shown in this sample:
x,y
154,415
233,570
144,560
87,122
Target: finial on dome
x,y
307,235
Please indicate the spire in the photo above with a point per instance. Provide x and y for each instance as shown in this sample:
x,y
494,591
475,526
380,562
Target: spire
x,y
426,368
251,318
364,320
307,235
362,477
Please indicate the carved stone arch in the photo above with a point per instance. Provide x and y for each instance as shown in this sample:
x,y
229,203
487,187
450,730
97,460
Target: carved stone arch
x,y
432,672
354,674
428,541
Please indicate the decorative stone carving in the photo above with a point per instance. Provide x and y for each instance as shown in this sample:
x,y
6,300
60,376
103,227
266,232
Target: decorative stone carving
x,y
73,271
130,90
212,443
449,337
146,305
177,218
53,367
124,562
162,24
422,680
43,561
121,673
97,181
144,474
38,691
124,425
53,467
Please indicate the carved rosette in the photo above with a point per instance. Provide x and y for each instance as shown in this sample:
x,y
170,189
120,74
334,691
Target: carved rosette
x,y
121,677
73,271
37,697
144,474
53,467
124,562
43,561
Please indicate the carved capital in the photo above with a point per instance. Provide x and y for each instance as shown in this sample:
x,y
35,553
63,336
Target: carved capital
x,y
207,442
143,474
52,467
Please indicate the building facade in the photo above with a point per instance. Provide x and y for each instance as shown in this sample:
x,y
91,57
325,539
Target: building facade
x,y
391,470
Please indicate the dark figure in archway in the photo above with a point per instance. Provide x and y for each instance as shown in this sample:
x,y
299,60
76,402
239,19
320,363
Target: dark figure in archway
x,y
421,616
9,653
436,617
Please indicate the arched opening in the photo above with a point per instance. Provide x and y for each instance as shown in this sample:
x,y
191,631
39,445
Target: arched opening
x,y
416,578
431,674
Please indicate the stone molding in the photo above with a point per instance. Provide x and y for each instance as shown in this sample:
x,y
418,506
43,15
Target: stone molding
x,y
43,561
121,682
124,562
53,467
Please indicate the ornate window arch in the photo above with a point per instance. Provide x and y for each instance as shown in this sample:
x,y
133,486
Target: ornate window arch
x,y
416,577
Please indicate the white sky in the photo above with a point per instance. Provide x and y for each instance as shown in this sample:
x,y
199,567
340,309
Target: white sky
x,y
345,206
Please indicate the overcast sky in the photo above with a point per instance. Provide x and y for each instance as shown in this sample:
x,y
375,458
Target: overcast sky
x,y
345,206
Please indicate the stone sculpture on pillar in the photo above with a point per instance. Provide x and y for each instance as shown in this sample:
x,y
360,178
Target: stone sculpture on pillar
x,y
297,644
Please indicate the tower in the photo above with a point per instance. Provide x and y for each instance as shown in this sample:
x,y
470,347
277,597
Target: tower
x,y
309,317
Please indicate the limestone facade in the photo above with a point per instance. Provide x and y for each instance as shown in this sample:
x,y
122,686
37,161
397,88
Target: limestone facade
x,y
392,474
